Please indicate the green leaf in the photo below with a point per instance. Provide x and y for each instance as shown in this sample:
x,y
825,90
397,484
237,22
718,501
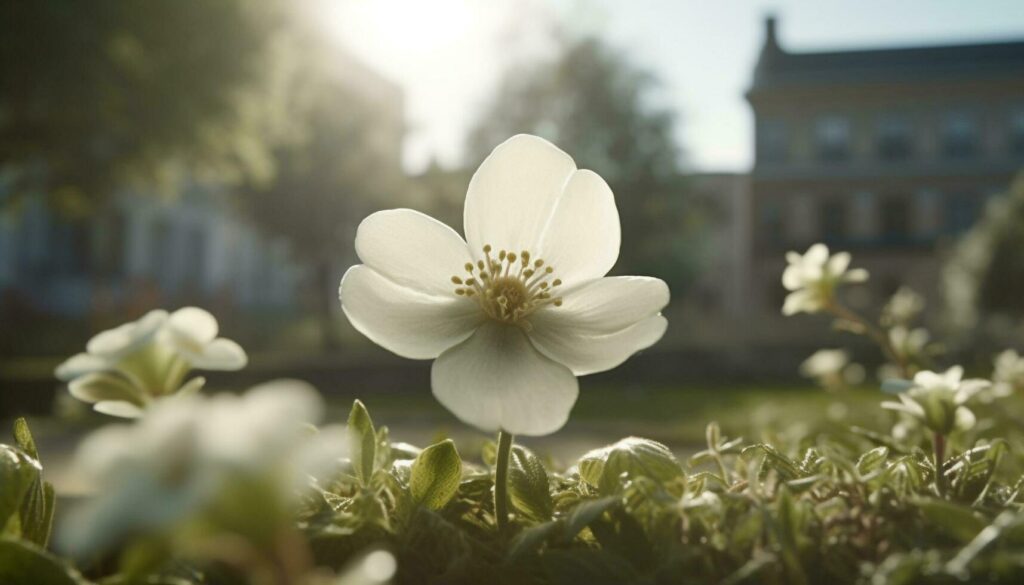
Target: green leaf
x,y
872,460
37,513
18,471
773,459
630,457
955,520
528,485
364,441
24,563
585,514
23,438
435,475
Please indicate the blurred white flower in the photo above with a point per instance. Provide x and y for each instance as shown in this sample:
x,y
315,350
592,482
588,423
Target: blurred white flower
x,y
163,469
938,399
909,343
1009,373
813,277
124,369
832,369
520,308
903,307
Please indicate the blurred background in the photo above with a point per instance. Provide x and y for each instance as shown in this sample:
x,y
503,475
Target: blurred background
x,y
222,152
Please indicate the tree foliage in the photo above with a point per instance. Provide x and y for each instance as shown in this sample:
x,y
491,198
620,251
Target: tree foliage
x,y
593,102
94,94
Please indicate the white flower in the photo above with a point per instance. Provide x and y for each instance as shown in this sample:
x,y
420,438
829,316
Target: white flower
x,y
938,400
1009,373
909,343
161,470
124,369
813,278
825,362
832,369
903,307
520,308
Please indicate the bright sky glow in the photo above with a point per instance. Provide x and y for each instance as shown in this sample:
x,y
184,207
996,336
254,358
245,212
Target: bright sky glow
x,y
448,55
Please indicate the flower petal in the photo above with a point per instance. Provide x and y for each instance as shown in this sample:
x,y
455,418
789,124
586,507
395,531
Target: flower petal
x,y
409,323
219,354
585,353
800,300
513,193
856,275
582,238
193,325
412,249
98,387
816,255
79,365
496,380
605,305
839,262
118,408
119,341
792,277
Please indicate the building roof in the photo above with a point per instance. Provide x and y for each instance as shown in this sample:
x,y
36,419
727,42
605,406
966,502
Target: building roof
x,y
777,67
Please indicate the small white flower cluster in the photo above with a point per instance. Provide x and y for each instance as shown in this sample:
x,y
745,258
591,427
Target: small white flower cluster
x,y
832,369
938,400
812,278
1008,377
125,369
166,468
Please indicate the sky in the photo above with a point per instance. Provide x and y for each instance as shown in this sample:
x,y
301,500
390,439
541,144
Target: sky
x,y
449,55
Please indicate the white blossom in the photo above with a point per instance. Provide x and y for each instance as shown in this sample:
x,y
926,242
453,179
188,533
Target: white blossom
x,y
812,278
162,469
1009,373
903,307
938,399
832,369
124,369
518,309
909,343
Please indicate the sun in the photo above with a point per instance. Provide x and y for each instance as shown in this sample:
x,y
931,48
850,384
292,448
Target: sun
x,y
398,33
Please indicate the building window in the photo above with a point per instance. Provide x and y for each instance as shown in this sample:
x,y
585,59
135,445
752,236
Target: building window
x,y
894,138
772,141
959,134
832,137
833,221
895,220
1017,131
961,212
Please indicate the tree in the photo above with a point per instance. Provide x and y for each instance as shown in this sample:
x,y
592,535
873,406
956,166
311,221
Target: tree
x,y
983,279
94,94
596,105
343,163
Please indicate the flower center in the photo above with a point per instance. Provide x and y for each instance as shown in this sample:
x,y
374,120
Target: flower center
x,y
510,286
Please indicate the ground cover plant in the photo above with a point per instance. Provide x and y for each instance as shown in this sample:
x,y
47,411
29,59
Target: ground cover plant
x,y
257,488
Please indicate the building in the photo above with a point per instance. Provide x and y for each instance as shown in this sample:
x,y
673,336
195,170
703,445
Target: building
x,y
140,251
887,153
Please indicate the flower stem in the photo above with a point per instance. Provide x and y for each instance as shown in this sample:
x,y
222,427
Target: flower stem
x,y
876,334
501,480
939,442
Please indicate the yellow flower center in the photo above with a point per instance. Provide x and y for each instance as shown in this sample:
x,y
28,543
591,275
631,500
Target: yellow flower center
x,y
509,287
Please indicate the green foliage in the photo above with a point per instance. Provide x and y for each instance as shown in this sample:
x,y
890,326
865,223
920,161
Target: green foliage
x,y
364,441
23,562
435,474
847,506
98,93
